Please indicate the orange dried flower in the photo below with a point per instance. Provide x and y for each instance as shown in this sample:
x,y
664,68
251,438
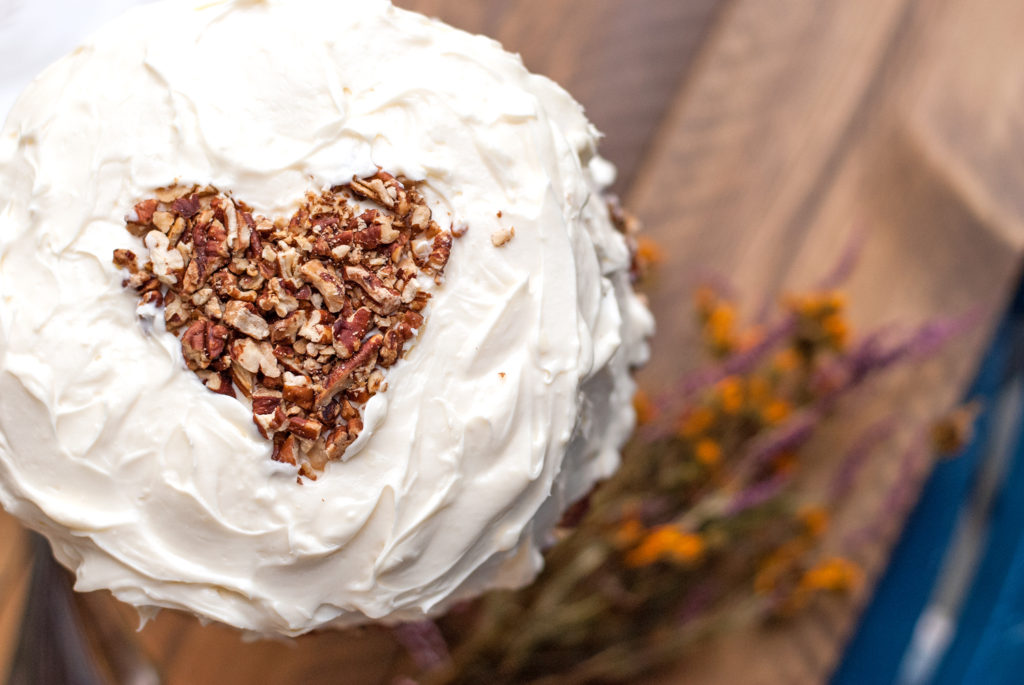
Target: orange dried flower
x,y
644,408
696,422
629,533
718,329
708,452
833,575
648,252
667,543
730,392
836,329
786,360
759,391
775,412
815,519
704,300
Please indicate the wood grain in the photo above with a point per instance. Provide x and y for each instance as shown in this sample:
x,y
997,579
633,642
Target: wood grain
x,y
15,568
624,61
917,159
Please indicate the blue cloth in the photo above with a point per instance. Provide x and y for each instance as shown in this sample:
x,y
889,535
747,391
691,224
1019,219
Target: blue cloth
x,y
988,645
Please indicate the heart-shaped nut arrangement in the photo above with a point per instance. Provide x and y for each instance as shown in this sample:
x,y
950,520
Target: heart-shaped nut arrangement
x,y
302,316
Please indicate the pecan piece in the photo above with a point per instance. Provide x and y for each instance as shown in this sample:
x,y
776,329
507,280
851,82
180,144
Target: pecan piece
x,y
186,207
285,449
144,212
239,316
502,236
255,357
307,429
126,259
203,342
338,441
298,390
326,280
349,332
351,371
176,313
396,337
267,412
315,331
219,383
245,380
167,262
440,252
163,221
387,298
376,190
287,329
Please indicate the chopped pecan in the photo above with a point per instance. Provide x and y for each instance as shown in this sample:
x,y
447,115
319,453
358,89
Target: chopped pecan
x,y
349,332
263,304
375,189
387,298
144,211
502,236
419,218
441,252
307,429
164,221
175,312
153,297
203,342
299,391
285,449
317,329
219,383
396,337
167,262
287,329
225,283
239,316
186,207
348,372
338,441
243,379
126,259
171,193
255,357
326,280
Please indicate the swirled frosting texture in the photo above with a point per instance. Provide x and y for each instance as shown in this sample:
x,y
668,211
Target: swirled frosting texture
x,y
512,403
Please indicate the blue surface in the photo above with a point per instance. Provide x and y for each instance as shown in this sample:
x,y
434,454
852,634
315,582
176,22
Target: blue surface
x,y
988,647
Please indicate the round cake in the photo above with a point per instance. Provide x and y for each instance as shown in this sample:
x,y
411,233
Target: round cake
x,y
312,312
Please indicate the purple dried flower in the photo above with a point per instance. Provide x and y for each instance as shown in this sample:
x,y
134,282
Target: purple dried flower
x,y
899,496
785,438
847,261
757,494
698,600
858,453
424,642
873,354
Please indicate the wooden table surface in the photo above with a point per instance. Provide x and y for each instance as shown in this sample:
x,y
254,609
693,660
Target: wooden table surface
x,y
752,138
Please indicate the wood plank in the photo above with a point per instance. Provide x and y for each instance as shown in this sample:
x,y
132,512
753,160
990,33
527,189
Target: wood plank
x,y
930,180
15,567
747,144
623,61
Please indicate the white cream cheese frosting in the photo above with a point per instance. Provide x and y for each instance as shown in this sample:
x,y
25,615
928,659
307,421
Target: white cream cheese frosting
x,y
513,401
